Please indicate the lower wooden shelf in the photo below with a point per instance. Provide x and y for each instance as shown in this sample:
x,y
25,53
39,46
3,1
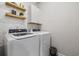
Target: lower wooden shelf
x,y
34,23
15,16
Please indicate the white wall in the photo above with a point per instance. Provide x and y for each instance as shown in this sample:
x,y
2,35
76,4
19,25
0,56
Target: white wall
x,y
9,22
62,20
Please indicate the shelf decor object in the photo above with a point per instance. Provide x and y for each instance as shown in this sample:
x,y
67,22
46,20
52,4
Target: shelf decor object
x,y
15,6
15,16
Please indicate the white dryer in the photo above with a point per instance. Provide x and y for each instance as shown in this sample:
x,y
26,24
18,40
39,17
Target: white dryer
x,y
44,43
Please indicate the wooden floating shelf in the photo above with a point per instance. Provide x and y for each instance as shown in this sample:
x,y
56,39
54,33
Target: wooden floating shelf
x,y
15,16
35,23
15,6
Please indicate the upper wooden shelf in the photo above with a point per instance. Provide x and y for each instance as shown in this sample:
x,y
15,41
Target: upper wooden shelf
x,y
15,6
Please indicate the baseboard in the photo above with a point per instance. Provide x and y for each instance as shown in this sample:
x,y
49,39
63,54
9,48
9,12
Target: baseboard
x,y
59,54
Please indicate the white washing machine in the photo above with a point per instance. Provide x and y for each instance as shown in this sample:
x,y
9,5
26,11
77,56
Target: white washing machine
x,y
27,44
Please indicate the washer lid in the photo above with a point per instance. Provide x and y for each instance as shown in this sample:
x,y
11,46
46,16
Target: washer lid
x,y
22,35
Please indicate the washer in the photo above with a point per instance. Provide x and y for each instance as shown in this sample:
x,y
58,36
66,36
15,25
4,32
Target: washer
x,y
21,45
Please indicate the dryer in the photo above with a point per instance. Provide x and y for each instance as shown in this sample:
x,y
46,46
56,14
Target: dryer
x,y
44,43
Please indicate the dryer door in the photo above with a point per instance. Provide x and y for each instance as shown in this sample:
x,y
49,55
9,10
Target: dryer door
x,y
25,47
